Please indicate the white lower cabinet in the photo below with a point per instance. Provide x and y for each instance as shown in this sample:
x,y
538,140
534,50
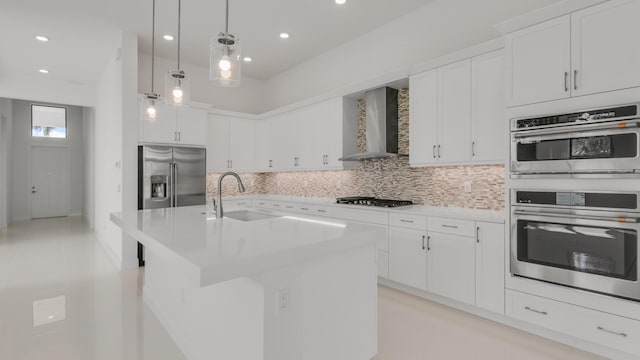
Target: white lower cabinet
x,y
407,257
452,266
490,266
614,331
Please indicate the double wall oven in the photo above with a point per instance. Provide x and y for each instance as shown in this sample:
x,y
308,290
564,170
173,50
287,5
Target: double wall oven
x,y
581,239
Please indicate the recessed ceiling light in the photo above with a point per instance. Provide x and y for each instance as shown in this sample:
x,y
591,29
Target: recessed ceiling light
x,y
247,59
42,38
284,35
44,71
168,37
340,2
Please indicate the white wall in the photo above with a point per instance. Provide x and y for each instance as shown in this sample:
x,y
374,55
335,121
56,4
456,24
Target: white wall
x,y
88,144
38,87
249,97
115,143
6,107
429,32
20,188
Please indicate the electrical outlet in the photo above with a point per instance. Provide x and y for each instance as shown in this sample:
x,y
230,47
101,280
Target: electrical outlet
x,y
283,301
467,186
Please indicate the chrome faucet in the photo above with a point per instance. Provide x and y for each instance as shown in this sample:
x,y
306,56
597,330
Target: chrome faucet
x,y
218,203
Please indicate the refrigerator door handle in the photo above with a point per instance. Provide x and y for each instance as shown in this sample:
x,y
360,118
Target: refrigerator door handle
x,y
175,184
172,184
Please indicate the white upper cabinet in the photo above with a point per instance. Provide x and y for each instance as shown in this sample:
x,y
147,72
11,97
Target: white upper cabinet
x,y
538,60
423,115
590,51
605,50
175,126
217,144
488,124
312,139
231,143
264,145
454,112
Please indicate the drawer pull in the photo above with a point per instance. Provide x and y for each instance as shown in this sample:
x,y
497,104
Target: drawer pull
x,y
450,226
406,221
289,207
305,209
276,205
612,332
535,311
322,211
423,247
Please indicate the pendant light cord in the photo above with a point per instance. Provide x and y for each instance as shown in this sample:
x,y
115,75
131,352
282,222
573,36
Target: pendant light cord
x,y
179,17
153,42
226,25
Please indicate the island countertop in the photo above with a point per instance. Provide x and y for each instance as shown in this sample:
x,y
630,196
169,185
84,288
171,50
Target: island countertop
x,y
224,249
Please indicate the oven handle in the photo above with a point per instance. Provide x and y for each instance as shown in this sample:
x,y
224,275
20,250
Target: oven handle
x,y
572,216
576,128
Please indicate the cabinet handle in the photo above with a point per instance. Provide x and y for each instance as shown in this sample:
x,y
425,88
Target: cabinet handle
x,y
406,221
275,205
179,136
423,242
438,151
289,207
434,151
536,311
473,148
478,234
449,226
230,163
322,211
575,79
566,81
428,243
175,136
612,332
270,163
305,209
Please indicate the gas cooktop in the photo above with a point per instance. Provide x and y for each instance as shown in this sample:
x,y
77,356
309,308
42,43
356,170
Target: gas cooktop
x,y
371,201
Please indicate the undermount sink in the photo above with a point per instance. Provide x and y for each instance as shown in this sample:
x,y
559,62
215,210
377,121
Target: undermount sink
x,y
245,215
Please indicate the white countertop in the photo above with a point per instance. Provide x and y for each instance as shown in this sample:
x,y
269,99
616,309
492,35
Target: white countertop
x,y
440,211
224,249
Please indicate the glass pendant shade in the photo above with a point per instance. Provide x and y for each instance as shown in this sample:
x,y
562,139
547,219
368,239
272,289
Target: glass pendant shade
x,y
177,88
225,60
150,107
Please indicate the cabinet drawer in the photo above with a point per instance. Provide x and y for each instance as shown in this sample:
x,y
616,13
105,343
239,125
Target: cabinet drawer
x,y
418,222
374,217
451,226
383,264
602,328
316,210
262,203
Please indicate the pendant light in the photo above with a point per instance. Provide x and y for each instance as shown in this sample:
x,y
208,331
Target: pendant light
x,y
177,88
225,60
151,99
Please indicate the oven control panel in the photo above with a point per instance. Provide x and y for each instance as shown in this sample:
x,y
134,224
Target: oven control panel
x,y
622,112
604,200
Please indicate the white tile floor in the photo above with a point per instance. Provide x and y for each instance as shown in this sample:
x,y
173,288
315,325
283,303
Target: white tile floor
x,y
62,298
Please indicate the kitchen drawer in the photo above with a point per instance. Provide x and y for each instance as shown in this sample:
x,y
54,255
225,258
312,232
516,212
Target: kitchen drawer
x,y
614,331
259,203
418,222
290,207
374,217
383,264
316,210
244,203
451,226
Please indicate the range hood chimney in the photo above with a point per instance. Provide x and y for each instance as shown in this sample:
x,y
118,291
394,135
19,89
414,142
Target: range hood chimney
x,y
381,126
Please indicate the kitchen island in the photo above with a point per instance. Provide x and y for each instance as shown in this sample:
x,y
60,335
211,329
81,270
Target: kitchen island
x,y
259,285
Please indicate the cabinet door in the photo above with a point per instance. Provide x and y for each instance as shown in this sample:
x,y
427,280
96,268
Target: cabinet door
x,y
192,126
488,124
284,141
538,62
242,140
311,139
605,48
163,129
407,257
423,115
218,143
454,112
490,266
451,266
264,145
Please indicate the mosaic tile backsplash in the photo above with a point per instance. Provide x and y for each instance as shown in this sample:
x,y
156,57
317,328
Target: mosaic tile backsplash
x,y
385,178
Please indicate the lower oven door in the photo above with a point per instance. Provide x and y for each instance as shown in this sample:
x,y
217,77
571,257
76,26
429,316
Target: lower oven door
x,y
592,252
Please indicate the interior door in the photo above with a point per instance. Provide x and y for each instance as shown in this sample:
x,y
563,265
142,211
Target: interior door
x,y
49,182
190,176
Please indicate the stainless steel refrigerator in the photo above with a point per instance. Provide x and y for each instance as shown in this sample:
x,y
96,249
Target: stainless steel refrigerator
x,y
170,176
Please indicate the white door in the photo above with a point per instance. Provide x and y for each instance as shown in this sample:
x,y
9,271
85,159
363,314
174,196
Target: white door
x,y
454,112
163,128
538,62
488,125
242,142
191,126
423,118
218,143
451,266
407,257
49,182
490,266
605,47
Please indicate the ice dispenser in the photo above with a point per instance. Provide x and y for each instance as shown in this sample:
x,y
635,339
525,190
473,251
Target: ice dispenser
x,y
159,186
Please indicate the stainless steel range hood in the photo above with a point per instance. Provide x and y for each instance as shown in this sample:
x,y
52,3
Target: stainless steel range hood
x,y
381,126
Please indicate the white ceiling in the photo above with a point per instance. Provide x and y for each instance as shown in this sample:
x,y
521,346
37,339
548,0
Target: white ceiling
x,y
83,32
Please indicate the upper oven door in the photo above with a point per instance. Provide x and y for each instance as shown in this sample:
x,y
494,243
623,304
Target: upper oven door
x,y
594,148
577,248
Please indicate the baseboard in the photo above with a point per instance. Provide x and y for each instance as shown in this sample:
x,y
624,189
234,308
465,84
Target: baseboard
x,y
115,260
